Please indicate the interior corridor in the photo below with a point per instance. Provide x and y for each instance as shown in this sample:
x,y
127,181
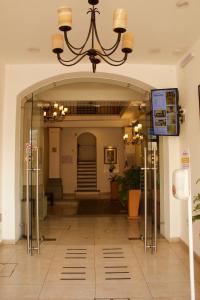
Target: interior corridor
x,y
92,257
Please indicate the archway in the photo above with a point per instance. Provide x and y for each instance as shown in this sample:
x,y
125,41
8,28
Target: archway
x,y
86,162
86,147
11,209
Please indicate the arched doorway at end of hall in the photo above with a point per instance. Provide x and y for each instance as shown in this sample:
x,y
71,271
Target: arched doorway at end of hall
x,y
86,163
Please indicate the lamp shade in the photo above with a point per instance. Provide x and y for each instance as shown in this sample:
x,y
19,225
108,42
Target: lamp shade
x,y
64,18
127,42
120,20
57,43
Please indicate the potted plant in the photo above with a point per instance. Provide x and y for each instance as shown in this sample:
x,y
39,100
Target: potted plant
x,y
129,193
196,208
113,183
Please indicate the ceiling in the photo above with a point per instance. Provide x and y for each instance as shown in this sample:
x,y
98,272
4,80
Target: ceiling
x,y
163,32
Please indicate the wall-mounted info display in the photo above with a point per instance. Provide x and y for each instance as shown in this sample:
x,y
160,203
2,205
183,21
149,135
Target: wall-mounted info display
x,y
165,111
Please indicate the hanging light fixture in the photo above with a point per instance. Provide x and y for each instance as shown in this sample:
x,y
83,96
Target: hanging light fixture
x,y
135,136
96,51
54,112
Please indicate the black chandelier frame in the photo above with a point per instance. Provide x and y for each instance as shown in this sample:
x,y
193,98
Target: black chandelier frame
x,y
95,55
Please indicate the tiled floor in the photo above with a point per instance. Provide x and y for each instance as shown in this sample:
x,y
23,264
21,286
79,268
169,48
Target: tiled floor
x,y
93,258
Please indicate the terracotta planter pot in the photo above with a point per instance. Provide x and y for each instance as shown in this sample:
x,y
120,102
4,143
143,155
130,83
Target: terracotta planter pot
x,y
133,203
114,190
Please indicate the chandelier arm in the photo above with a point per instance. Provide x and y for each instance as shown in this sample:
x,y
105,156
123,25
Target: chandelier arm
x,y
111,59
113,48
65,63
113,62
71,47
73,59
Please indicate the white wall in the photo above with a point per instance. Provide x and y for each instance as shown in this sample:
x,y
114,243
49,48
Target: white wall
x,y
170,208
104,137
188,81
18,78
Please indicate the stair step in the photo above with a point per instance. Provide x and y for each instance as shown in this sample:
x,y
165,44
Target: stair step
x,y
86,190
87,185
87,168
86,173
86,176
86,162
83,180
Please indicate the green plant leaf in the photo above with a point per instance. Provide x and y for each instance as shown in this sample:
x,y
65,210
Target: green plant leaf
x,y
195,218
196,208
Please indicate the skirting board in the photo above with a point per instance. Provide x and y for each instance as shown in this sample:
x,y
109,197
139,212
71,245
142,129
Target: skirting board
x,y
8,242
185,246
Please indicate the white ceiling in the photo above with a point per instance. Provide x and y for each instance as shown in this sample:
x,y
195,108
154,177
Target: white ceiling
x,y
162,31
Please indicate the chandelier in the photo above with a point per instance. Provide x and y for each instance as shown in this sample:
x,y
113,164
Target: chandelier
x,y
135,136
54,112
95,51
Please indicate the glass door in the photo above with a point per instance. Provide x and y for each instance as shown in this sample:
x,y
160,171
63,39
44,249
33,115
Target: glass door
x,y
149,184
33,175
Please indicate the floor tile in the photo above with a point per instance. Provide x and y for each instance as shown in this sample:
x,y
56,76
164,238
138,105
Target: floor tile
x,y
93,257
69,291
19,292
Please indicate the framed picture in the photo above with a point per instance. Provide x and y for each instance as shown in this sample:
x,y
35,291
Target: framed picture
x,y
110,155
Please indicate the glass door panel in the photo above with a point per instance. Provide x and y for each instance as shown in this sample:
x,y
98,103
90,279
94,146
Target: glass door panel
x,y
33,176
149,222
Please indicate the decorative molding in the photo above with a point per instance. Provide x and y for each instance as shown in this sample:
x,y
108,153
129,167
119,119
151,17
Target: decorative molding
x,y
174,240
8,242
185,247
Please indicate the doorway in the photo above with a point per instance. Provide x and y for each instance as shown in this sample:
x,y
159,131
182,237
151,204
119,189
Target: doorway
x,y
83,134
86,163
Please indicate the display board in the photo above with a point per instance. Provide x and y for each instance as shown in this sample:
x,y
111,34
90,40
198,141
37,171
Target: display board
x,y
165,112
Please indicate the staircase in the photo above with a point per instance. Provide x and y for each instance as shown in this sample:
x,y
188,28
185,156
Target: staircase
x,y
86,176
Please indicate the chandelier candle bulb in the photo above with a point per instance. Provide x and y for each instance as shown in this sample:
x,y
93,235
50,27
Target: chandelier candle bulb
x,y
136,129
120,20
65,109
64,18
125,136
57,43
127,42
61,107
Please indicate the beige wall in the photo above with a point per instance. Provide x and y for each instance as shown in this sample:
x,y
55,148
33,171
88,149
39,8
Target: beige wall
x,y
54,152
1,130
105,137
188,81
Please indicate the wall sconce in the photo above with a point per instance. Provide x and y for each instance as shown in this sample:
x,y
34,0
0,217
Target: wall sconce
x,y
135,136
